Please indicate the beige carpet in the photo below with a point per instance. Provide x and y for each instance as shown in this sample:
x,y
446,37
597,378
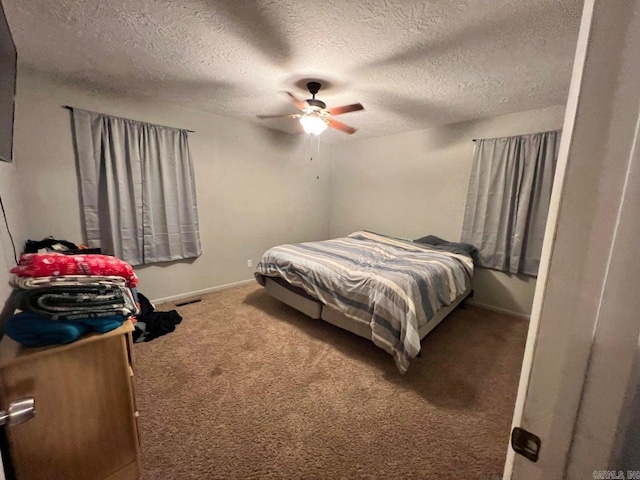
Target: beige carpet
x,y
247,387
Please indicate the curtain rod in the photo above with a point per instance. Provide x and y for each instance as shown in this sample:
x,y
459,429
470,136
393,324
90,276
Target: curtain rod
x,y
521,135
157,125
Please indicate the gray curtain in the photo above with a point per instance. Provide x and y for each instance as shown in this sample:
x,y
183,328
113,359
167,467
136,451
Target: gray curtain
x,y
137,188
508,200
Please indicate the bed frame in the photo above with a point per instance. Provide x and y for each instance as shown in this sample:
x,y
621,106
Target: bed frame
x,y
300,300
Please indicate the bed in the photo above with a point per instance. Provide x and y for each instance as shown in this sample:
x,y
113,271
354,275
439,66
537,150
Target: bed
x,y
389,290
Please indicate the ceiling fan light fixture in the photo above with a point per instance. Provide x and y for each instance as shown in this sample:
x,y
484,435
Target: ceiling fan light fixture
x,y
313,123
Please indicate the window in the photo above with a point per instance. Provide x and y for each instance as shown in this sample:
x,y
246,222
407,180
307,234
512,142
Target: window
x,y
137,188
508,200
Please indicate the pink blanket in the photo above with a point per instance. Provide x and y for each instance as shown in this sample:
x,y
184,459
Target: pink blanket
x,y
58,264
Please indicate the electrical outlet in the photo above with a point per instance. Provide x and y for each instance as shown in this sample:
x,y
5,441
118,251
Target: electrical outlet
x,y
249,263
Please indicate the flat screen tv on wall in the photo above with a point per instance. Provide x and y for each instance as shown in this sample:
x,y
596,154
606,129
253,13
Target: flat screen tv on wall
x,y
8,68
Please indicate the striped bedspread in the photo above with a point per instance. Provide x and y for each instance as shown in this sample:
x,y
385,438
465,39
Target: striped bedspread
x,y
393,285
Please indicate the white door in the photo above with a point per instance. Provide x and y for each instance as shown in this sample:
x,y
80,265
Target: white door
x,y
580,371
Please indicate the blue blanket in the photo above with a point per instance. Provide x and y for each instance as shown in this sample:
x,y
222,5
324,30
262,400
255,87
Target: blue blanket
x,y
34,330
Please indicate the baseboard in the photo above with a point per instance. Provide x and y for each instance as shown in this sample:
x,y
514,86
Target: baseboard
x,y
195,293
498,309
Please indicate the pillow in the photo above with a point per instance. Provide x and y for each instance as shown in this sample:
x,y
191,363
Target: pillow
x,y
453,247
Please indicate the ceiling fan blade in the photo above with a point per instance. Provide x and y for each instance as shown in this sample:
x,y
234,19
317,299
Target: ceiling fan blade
x,y
354,107
300,104
294,115
340,126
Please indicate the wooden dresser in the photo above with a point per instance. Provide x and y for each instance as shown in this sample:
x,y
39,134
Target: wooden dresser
x,y
85,426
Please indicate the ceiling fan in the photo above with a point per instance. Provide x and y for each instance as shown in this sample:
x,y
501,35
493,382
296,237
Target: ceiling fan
x,y
315,117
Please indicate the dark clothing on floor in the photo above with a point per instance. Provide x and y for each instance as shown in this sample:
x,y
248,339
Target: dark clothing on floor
x,y
152,324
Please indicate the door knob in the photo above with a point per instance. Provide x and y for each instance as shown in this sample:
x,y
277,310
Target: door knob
x,y
18,412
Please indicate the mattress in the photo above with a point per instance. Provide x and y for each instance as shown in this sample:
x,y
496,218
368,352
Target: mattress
x,y
314,309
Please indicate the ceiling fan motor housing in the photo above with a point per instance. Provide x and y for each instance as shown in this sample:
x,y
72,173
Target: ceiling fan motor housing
x,y
317,103
313,87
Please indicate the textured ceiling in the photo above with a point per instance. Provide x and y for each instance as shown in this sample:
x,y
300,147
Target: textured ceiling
x,y
412,64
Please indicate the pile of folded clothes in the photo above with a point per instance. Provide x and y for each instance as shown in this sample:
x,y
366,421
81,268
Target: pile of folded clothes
x,y
62,297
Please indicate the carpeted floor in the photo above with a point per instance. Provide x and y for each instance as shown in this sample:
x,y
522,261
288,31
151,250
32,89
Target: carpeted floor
x,y
247,387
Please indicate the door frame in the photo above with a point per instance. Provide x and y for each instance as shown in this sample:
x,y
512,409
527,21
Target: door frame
x,y
582,349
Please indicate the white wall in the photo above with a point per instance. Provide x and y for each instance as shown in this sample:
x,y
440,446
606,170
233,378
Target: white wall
x,y
414,184
255,187
12,200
